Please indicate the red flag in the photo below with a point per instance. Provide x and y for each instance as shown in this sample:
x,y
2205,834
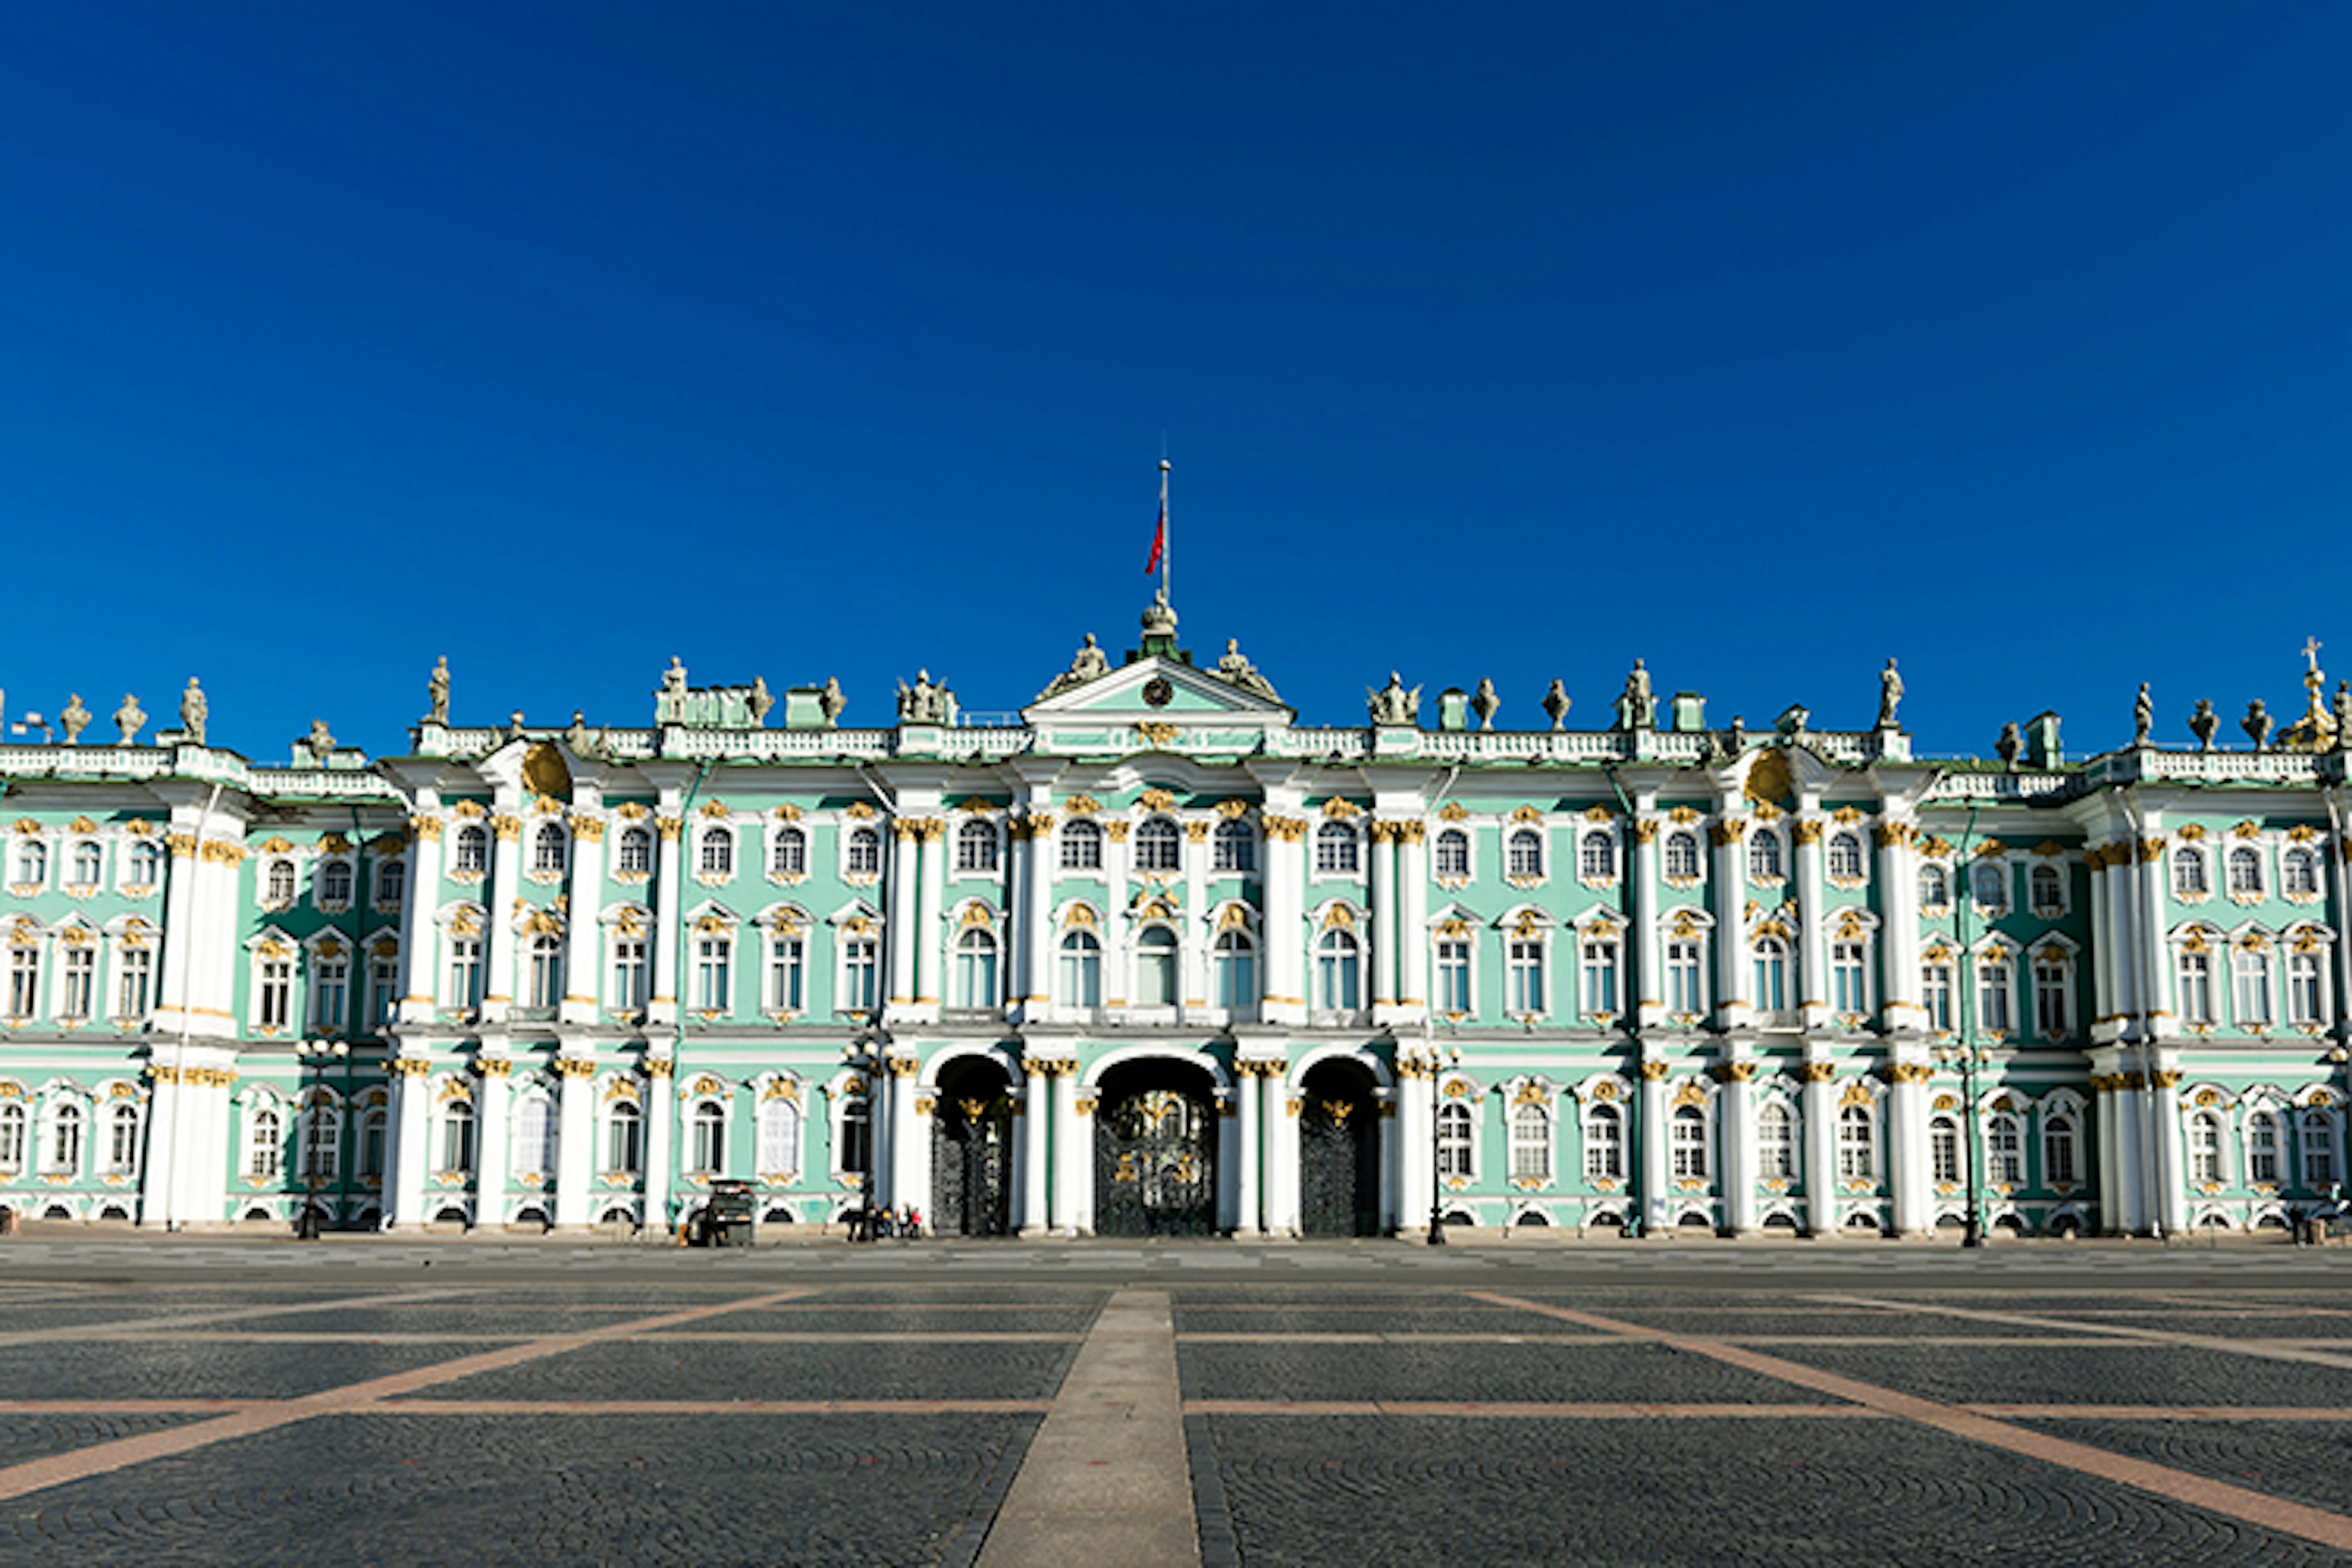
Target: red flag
x,y
1159,540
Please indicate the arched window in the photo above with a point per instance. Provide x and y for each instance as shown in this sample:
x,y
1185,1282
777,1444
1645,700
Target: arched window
x,y
2262,1149
335,883
1082,843
2188,878
2059,1155
265,1141
88,866
1081,969
2004,1151
1944,1150
856,1146
1337,971
1233,848
1596,857
374,1125
1686,1142
146,864
1523,968
1776,1143
635,856
1158,847
65,1128
1935,887
122,1140
2047,891
279,884
544,984
1857,1144
32,861
1989,886
2204,1147
707,1151
718,853
864,856
534,1139
1335,849
12,1136
456,1138
1604,1144
1845,858
975,968
1233,971
1771,974
1454,1147
470,856
2299,874
1530,1142
1682,859
2318,1150
1523,854
2249,975
1452,855
1764,855
625,1139
2245,872
788,853
546,848
780,1137
1155,967
976,846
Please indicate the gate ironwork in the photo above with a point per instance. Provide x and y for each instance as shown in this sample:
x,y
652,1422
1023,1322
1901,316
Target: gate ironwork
x,y
971,1165
1155,1165
1339,1165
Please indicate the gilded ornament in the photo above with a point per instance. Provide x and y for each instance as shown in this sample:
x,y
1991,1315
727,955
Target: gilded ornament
x,y
1654,1071
669,829
1816,1072
507,829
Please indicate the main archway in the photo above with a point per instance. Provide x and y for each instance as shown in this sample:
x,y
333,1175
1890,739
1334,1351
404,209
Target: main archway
x,y
1340,1151
1156,1150
971,1150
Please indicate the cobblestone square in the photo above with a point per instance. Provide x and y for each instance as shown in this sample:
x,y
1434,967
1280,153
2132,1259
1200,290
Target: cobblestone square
x,y
233,1402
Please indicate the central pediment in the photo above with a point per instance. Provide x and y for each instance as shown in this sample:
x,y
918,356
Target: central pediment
x,y
1156,689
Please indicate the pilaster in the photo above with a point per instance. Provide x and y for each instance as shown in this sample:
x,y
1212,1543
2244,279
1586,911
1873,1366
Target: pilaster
x,y
492,1116
1813,964
498,900
1735,1006
1655,1133
668,914
1909,1172
661,1138
575,1140
1735,1112
1819,1078
583,933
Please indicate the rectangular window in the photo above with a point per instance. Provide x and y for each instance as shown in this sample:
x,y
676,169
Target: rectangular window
x,y
24,983
2051,1016
1453,976
1944,1152
1993,1014
1526,976
2197,988
330,993
785,968
1530,1143
465,971
134,987
2262,1150
861,975
1935,995
1685,993
274,998
712,990
1689,1143
383,991
629,972
81,983
1600,963
1604,1146
2303,995
1776,1153
2252,970
1849,979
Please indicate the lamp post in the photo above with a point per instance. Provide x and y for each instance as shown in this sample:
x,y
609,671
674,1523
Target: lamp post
x,y
1437,1061
315,1055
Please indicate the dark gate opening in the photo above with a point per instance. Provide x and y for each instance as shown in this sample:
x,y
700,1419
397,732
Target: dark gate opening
x,y
1339,1151
1156,1151
972,1150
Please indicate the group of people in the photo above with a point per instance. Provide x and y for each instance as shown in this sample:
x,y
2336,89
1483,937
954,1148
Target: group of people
x,y
872,1223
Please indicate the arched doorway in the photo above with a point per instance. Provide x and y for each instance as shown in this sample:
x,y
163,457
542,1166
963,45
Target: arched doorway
x,y
971,1150
1340,1151
1156,1151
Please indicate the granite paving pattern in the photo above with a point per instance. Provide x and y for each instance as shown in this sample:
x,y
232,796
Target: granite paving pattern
x,y
651,1368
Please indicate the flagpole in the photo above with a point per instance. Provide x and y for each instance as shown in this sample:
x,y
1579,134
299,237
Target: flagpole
x,y
1164,550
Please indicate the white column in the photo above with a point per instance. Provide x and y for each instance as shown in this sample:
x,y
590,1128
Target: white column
x,y
1820,1149
1654,1134
1734,1007
2171,1167
1037,930
1033,1125
1382,845
418,944
1073,1157
1813,942
584,955
1229,1154
492,1104
930,937
1197,931
2104,1005
1908,1170
1118,931
575,1140
1249,1166
1735,1112
662,1008
1279,1125
1286,921
2113,1182
906,1130
498,899
1412,921
1898,937
1645,986
898,904
661,1140
2148,883
1414,1152
406,1142
2131,1153
1391,1177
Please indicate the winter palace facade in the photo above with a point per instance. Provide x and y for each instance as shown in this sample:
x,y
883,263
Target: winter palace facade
x,y
1157,958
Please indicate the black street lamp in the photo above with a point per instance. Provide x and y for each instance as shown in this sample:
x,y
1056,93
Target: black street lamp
x,y
315,1055
1436,1062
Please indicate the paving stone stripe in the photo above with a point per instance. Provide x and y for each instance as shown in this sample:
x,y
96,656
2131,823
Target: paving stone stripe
x,y
2264,1350
15,1480
218,1315
2319,1525
1521,1410
715,1336
1108,1476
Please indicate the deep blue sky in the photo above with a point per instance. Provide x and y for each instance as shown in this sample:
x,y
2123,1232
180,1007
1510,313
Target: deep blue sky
x,y
1761,342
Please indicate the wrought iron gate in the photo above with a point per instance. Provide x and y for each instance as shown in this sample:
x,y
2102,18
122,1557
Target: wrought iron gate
x,y
1339,1165
1155,1165
972,1164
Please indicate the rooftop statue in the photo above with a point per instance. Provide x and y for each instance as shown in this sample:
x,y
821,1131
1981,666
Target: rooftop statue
x,y
2344,715
1393,706
580,739
924,703
194,711
1090,663
831,701
1236,670
436,691
74,720
2257,723
2203,722
1486,703
318,744
1637,709
2011,742
1890,695
669,703
2143,716
129,719
758,700
1556,702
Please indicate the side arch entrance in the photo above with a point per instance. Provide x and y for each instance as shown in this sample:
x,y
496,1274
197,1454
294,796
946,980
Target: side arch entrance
x,y
1340,1151
1156,1150
971,1150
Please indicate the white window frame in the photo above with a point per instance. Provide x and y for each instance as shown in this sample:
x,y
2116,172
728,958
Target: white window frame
x,y
1531,1142
1081,847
